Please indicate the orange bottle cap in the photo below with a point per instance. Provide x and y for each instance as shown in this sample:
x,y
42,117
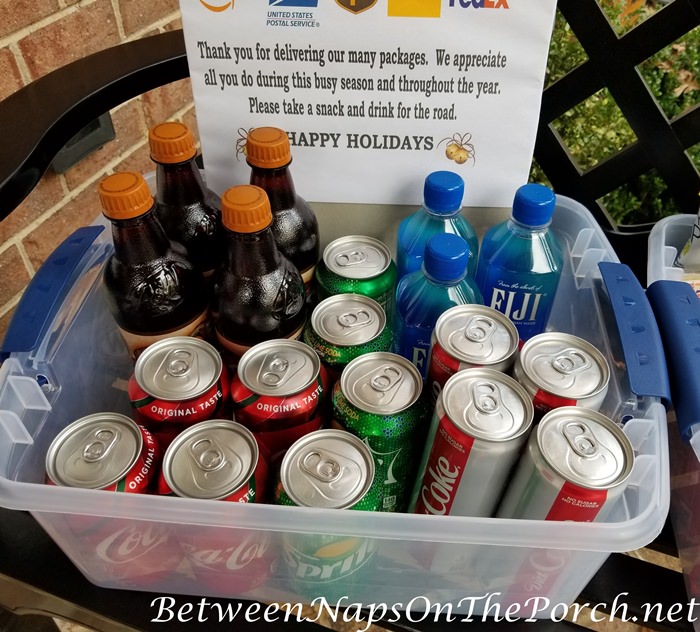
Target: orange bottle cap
x,y
124,195
268,147
171,143
245,209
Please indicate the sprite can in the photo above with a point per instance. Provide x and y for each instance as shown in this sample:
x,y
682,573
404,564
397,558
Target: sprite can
x,y
358,264
345,326
379,399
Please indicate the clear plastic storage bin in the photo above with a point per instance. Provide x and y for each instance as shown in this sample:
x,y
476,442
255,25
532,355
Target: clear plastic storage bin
x,y
76,365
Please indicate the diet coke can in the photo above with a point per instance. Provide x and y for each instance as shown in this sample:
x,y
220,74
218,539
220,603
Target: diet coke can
x,y
279,393
576,465
104,451
481,421
560,369
177,382
467,336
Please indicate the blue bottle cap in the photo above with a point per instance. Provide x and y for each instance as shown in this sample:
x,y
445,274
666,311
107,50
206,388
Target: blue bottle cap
x,y
443,192
533,204
446,257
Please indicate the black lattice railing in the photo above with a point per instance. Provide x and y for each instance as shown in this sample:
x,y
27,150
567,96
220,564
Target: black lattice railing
x,y
612,63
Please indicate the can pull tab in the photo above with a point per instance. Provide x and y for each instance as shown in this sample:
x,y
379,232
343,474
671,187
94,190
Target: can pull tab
x,y
179,362
571,361
479,329
486,397
386,379
351,257
278,368
355,319
100,444
208,455
581,439
321,466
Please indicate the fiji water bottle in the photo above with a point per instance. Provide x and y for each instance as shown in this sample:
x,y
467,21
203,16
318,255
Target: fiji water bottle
x,y
422,296
442,194
521,260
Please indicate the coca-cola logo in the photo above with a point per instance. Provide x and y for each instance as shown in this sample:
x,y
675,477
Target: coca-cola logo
x,y
230,558
130,543
438,489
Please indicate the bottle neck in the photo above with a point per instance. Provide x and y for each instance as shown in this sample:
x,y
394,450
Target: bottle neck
x,y
251,254
442,283
524,229
179,184
277,183
140,239
441,214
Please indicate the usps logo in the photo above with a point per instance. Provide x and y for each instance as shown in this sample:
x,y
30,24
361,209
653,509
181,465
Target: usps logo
x,y
293,3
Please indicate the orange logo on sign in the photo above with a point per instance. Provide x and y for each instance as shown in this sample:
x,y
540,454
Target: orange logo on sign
x,y
218,7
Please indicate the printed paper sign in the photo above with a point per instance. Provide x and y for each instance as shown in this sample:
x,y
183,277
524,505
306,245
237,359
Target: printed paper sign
x,y
374,94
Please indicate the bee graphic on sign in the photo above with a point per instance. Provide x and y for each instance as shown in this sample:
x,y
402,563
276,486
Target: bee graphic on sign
x,y
459,148
241,141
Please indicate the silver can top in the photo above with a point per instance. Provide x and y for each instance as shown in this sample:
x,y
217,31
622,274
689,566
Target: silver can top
x,y
564,365
178,368
585,447
381,382
327,468
210,459
279,367
94,452
476,334
357,257
348,319
487,404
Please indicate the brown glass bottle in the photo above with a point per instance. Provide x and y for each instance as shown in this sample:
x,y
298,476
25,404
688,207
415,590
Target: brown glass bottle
x,y
294,223
187,209
153,290
259,293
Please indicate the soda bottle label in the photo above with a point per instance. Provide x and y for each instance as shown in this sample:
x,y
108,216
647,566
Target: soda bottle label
x,y
136,343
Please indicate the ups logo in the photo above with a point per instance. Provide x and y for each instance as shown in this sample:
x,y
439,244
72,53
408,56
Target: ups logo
x,y
217,6
356,6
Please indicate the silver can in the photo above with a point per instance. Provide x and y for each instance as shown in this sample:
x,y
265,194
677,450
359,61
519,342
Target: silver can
x,y
468,336
481,421
328,468
576,465
560,369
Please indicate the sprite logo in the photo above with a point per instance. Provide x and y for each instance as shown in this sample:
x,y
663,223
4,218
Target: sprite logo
x,y
331,561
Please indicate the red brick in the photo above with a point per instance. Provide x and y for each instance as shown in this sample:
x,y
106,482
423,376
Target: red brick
x,y
45,195
138,15
10,77
13,274
129,130
162,103
140,161
92,28
17,14
81,211
5,322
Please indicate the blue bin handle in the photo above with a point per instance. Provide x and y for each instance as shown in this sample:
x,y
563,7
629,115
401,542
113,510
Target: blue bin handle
x,y
43,296
677,309
639,332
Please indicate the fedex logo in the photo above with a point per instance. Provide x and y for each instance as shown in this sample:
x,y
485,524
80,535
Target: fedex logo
x,y
480,4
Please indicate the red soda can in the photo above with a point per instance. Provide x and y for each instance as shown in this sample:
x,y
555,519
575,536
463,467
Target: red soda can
x,y
177,382
220,460
279,393
105,451
468,336
481,421
576,465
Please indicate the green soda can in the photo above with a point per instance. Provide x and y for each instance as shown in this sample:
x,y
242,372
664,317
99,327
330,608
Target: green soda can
x,y
345,326
379,399
357,264
332,469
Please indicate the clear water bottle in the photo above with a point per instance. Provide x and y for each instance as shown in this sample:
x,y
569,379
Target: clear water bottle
x,y
441,283
442,201
521,260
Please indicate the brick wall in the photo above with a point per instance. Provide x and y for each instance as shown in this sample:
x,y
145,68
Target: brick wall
x,y
37,36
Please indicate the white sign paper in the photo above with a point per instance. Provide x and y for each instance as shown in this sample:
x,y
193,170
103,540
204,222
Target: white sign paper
x,y
374,94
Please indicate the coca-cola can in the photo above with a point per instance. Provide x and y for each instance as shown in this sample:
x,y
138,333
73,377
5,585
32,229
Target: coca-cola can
x,y
178,382
481,421
279,393
576,465
105,451
559,369
468,336
217,459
